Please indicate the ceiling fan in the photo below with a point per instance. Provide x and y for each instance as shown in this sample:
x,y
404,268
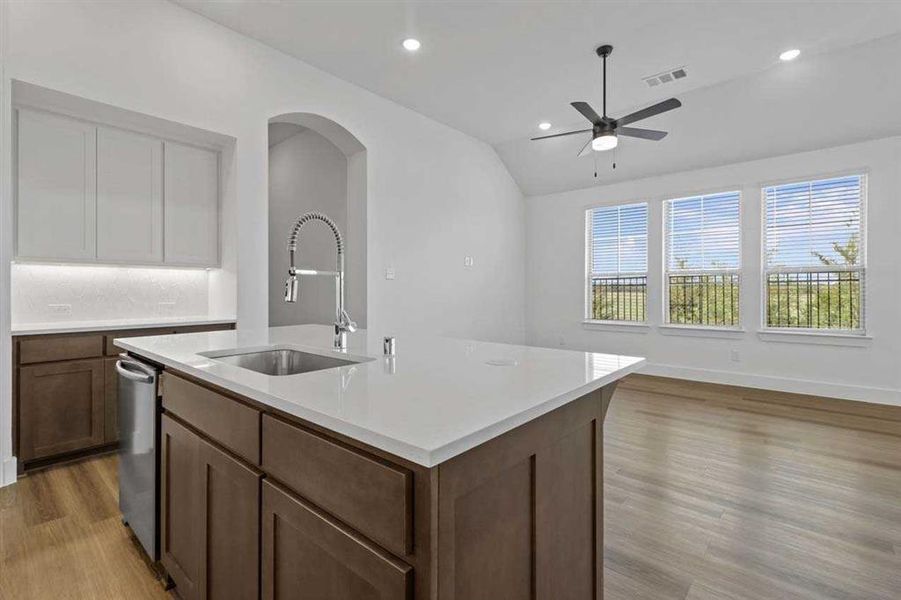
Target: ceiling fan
x,y
605,130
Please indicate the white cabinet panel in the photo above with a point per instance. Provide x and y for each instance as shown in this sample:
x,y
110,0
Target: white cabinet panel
x,y
191,205
56,187
129,197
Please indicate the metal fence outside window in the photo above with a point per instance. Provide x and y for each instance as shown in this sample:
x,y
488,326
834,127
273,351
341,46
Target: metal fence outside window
x,y
619,298
823,299
704,299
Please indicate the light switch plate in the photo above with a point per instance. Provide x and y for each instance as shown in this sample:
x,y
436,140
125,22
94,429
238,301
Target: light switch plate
x,y
467,261
389,273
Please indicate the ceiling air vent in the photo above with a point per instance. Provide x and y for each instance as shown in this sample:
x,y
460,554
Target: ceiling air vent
x,y
667,76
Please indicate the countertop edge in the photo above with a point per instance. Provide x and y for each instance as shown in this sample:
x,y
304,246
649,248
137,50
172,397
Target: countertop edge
x,y
425,457
62,327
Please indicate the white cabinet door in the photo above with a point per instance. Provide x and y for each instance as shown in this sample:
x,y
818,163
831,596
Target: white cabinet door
x,y
191,205
129,197
56,191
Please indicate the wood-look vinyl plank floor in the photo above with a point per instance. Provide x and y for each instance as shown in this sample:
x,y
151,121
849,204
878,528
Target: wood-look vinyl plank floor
x,y
712,493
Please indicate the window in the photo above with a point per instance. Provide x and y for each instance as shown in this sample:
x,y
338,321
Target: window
x,y
703,258
814,260
618,263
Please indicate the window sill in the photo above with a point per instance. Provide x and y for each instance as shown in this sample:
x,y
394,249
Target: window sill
x,y
621,326
702,331
857,340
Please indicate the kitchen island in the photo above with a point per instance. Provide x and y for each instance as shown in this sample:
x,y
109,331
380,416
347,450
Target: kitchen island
x,y
456,469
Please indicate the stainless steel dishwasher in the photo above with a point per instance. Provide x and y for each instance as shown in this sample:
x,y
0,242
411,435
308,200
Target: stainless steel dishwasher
x,y
138,441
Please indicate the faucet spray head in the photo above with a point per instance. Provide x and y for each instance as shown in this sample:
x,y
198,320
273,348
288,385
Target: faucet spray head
x,y
292,287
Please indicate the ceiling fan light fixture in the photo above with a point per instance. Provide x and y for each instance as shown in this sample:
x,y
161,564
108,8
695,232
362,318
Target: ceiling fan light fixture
x,y
606,141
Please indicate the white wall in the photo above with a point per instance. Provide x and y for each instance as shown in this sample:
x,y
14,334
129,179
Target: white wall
x,y
867,370
434,194
306,173
102,292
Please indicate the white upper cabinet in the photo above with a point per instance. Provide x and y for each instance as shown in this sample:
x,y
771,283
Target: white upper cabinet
x,y
129,197
191,205
92,193
57,192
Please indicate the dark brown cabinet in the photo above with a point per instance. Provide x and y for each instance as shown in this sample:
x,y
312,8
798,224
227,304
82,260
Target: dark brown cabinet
x,y
179,506
66,392
307,554
210,507
65,408
110,400
325,517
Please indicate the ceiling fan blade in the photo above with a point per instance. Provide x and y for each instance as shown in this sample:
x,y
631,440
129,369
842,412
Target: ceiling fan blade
x,y
586,149
587,112
544,137
650,111
645,134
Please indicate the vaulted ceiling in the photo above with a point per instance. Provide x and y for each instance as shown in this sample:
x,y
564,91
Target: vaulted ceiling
x,y
496,69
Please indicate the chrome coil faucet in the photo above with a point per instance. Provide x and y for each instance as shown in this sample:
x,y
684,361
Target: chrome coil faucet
x,y
343,322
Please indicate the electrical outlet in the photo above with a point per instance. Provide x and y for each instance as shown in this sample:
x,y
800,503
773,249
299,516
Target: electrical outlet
x,y
60,309
467,261
390,273
735,356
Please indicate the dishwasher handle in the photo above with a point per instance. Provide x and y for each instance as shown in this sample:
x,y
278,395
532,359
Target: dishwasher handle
x,y
133,371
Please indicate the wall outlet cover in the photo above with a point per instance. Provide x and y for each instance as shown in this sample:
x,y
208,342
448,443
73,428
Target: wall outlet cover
x,y
390,273
467,261
60,309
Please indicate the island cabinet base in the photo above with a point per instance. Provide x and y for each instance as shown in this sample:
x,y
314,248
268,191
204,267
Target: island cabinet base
x,y
315,514
521,516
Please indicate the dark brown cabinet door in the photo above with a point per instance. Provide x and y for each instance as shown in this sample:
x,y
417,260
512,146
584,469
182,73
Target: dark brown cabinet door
x,y
306,554
110,400
180,506
210,518
521,516
230,526
60,407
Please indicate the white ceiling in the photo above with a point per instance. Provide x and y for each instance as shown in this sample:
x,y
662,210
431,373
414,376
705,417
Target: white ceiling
x,y
495,69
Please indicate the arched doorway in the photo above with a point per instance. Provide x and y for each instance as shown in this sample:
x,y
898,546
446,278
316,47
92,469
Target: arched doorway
x,y
315,164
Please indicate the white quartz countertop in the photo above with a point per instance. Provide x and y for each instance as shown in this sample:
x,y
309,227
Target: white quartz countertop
x,y
437,398
112,324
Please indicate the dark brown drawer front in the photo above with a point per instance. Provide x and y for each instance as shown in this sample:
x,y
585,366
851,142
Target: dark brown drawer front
x,y
113,350
228,422
373,497
53,348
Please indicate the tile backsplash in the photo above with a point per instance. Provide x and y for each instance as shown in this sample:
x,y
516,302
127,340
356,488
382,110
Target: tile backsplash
x,y
49,293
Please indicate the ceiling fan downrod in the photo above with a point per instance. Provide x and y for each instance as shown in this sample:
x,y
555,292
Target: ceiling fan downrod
x,y
604,51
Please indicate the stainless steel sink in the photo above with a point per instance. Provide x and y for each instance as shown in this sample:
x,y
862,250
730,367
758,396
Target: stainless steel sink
x,y
283,362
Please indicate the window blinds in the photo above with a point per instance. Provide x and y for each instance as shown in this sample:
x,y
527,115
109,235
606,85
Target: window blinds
x,y
814,224
619,239
703,233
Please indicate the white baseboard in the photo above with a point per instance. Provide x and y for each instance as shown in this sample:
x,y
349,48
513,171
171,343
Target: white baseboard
x,y
825,389
8,471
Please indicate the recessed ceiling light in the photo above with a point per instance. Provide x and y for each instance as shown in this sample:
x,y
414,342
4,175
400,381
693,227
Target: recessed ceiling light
x,y
411,44
790,54
544,126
